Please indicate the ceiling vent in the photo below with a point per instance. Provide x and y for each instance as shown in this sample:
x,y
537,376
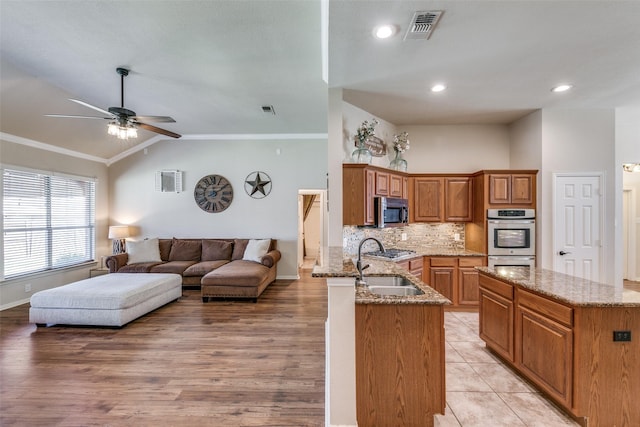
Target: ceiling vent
x,y
268,109
422,24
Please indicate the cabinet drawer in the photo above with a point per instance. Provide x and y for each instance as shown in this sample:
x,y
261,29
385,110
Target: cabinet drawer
x,y
444,262
551,309
471,261
496,286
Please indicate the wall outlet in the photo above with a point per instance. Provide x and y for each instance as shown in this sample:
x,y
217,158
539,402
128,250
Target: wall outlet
x,y
27,287
622,335
456,237
403,236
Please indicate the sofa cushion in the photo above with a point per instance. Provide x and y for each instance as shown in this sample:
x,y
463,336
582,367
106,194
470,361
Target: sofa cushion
x,y
165,248
213,250
177,267
256,249
203,267
141,267
185,250
237,273
239,245
143,251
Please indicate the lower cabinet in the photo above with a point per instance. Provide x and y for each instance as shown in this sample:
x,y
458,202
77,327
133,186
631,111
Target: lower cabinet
x,y
567,351
455,278
400,377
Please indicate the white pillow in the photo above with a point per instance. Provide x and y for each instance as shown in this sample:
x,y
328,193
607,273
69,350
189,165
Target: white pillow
x,y
256,249
147,250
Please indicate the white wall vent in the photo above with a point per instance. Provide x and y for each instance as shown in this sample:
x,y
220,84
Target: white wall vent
x,y
169,181
422,24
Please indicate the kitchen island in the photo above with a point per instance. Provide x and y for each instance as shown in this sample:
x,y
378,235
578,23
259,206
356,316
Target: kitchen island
x,y
575,339
385,354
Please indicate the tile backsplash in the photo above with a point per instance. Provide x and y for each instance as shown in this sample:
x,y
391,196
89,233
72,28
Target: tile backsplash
x,y
425,235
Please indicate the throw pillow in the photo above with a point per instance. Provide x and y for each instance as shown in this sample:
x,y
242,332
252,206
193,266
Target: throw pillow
x,y
143,251
256,249
185,250
213,250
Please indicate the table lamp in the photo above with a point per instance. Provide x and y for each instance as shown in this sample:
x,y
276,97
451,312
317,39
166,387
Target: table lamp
x,y
118,233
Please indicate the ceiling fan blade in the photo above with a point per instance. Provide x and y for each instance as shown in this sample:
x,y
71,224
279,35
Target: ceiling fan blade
x,y
78,117
157,130
91,106
159,119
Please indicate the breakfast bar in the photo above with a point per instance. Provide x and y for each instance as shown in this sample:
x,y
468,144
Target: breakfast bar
x,y
378,345
576,340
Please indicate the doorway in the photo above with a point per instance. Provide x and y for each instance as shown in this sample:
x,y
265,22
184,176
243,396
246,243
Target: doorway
x,y
577,225
311,226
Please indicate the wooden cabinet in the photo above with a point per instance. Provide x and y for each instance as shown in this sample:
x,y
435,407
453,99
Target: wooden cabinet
x,y
455,278
566,350
441,199
512,189
413,266
360,184
382,184
496,316
397,186
409,338
427,201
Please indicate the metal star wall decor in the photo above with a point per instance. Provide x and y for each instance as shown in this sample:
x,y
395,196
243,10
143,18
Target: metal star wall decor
x,y
257,185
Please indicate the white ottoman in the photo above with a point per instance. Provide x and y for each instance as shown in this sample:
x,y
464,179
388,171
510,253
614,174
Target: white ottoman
x,y
108,300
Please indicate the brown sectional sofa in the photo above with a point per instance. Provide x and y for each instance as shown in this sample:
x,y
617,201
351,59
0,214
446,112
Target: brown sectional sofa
x,y
216,266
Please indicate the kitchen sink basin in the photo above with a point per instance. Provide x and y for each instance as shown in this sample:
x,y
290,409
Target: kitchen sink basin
x,y
391,281
401,291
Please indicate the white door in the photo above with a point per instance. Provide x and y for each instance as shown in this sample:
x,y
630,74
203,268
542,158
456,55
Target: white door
x,y
577,225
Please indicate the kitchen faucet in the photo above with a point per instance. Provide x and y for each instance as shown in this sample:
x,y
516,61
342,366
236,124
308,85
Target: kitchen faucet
x,y
359,265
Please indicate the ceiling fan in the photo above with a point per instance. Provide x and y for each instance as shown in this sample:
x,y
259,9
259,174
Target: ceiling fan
x,y
124,122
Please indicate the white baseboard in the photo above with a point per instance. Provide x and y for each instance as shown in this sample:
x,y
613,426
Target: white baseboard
x,y
288,277
14,304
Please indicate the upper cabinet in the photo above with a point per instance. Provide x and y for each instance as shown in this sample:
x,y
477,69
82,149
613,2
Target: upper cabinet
x,y
515,189
360,184
440,198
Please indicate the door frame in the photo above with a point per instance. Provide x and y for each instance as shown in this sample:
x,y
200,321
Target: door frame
x,y
629,195
322,195
601,222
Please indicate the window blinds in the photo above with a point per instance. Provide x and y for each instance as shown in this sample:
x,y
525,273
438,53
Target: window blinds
x,y
48,221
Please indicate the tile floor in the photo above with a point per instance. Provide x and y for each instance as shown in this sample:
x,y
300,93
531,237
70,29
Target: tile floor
x,y
482,391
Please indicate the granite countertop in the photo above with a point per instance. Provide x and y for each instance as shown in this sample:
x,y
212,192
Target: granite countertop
x,y
333,262
572,290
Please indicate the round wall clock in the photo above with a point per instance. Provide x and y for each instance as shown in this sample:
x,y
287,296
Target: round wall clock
x,y
257,185
213,193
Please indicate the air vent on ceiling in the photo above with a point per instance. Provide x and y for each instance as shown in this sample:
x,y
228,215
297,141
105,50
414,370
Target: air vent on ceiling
x,y
268,109
422,24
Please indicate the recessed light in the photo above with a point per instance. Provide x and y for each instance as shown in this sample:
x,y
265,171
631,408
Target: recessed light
x,y
561,88
438,87
384,31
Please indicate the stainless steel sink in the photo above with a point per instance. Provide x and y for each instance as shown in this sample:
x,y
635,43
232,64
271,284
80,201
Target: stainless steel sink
x,y
401,291
387,281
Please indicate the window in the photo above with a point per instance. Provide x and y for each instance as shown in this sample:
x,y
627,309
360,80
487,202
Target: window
x,y
48,221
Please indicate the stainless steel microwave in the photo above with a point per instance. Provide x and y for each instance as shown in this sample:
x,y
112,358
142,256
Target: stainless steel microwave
x,y
391,212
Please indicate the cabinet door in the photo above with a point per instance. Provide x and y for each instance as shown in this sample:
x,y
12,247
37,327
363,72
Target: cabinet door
x,y
395,185
382,184
468,290
496,322
458,197
405,187
428,200
522,189
545,353
442,279
370,183
499,189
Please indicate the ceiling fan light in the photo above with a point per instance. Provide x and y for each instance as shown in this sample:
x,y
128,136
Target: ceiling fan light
x,y
112,129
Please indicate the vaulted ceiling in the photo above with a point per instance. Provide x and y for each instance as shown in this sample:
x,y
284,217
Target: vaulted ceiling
x,y
211,65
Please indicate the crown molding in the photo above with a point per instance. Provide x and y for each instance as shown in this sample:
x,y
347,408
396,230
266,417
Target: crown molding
x,y
195,137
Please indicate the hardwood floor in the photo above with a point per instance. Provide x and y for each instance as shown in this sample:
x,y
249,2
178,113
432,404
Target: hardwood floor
x,y
632,286
187,363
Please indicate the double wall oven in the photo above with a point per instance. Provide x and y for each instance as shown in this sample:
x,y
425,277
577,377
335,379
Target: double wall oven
x,y
511,237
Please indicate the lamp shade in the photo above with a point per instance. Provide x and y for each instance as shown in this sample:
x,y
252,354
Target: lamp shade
x,y
118,231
